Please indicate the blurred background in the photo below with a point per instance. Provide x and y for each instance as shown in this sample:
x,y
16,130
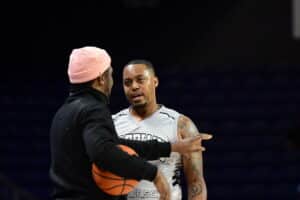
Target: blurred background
x,y
232,66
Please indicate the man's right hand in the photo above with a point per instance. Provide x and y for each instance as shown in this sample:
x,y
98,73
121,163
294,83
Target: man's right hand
x,y
162,186
191,144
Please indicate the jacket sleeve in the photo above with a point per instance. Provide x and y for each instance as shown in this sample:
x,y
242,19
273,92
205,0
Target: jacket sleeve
x,y
101,142
149,150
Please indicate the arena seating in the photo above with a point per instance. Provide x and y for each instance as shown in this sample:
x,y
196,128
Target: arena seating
x,y
248,109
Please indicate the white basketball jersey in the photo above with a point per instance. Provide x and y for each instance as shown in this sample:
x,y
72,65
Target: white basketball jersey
x,y
162,126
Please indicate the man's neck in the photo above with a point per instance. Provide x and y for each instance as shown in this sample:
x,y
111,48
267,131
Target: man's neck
x,y
143,112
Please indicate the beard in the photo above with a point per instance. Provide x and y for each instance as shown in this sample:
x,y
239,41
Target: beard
x,y
139,105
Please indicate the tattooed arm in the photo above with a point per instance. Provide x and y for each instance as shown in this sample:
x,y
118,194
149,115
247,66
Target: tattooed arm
x,y
193,165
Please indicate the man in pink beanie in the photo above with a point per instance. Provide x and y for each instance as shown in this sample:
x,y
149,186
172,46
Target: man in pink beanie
x,y
88,63
82,133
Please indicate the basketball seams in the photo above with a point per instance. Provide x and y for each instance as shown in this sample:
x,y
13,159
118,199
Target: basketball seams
x,y
115,186
123,185
106,177
111,183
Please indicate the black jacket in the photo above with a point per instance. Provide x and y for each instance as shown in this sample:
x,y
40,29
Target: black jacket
x,y
82,132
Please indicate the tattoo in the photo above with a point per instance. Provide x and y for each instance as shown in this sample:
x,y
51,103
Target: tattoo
x,y
196,190
186,127
182,123
196,167
193,165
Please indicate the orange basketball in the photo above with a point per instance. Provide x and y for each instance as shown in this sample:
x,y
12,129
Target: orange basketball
x,y
113,184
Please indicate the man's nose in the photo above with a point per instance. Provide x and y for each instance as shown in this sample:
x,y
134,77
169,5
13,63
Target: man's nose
x,y
135,85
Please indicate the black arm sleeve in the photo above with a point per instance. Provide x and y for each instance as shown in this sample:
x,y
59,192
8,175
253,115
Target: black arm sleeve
x,y
101,142
149,150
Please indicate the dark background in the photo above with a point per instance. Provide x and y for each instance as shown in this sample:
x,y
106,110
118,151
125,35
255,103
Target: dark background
x,y
232,66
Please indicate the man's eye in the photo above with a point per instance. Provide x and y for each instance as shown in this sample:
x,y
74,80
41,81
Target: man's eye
x,y
140,80
127,82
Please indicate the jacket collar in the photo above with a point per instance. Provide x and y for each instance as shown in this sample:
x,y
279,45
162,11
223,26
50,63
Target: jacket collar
x,y
76,90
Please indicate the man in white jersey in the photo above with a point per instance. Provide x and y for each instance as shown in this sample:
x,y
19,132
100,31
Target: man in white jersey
x,y
145,119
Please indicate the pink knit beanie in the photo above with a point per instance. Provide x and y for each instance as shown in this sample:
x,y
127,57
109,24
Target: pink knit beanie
x,y
87,63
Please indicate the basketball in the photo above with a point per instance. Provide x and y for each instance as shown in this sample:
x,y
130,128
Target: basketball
x,y
113,184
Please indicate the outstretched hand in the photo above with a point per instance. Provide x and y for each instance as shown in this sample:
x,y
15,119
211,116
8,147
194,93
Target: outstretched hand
x,y
190,144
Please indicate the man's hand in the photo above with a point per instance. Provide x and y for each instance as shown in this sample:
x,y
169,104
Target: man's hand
x,y
162,186
191,144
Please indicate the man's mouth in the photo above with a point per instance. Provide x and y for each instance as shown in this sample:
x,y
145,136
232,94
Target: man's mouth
x,y
136,97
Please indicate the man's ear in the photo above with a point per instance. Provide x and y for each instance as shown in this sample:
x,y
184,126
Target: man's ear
x,y
101,80
156,81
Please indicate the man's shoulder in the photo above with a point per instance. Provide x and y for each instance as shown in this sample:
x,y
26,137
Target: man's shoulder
x,y
124,112
171,113
90,104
